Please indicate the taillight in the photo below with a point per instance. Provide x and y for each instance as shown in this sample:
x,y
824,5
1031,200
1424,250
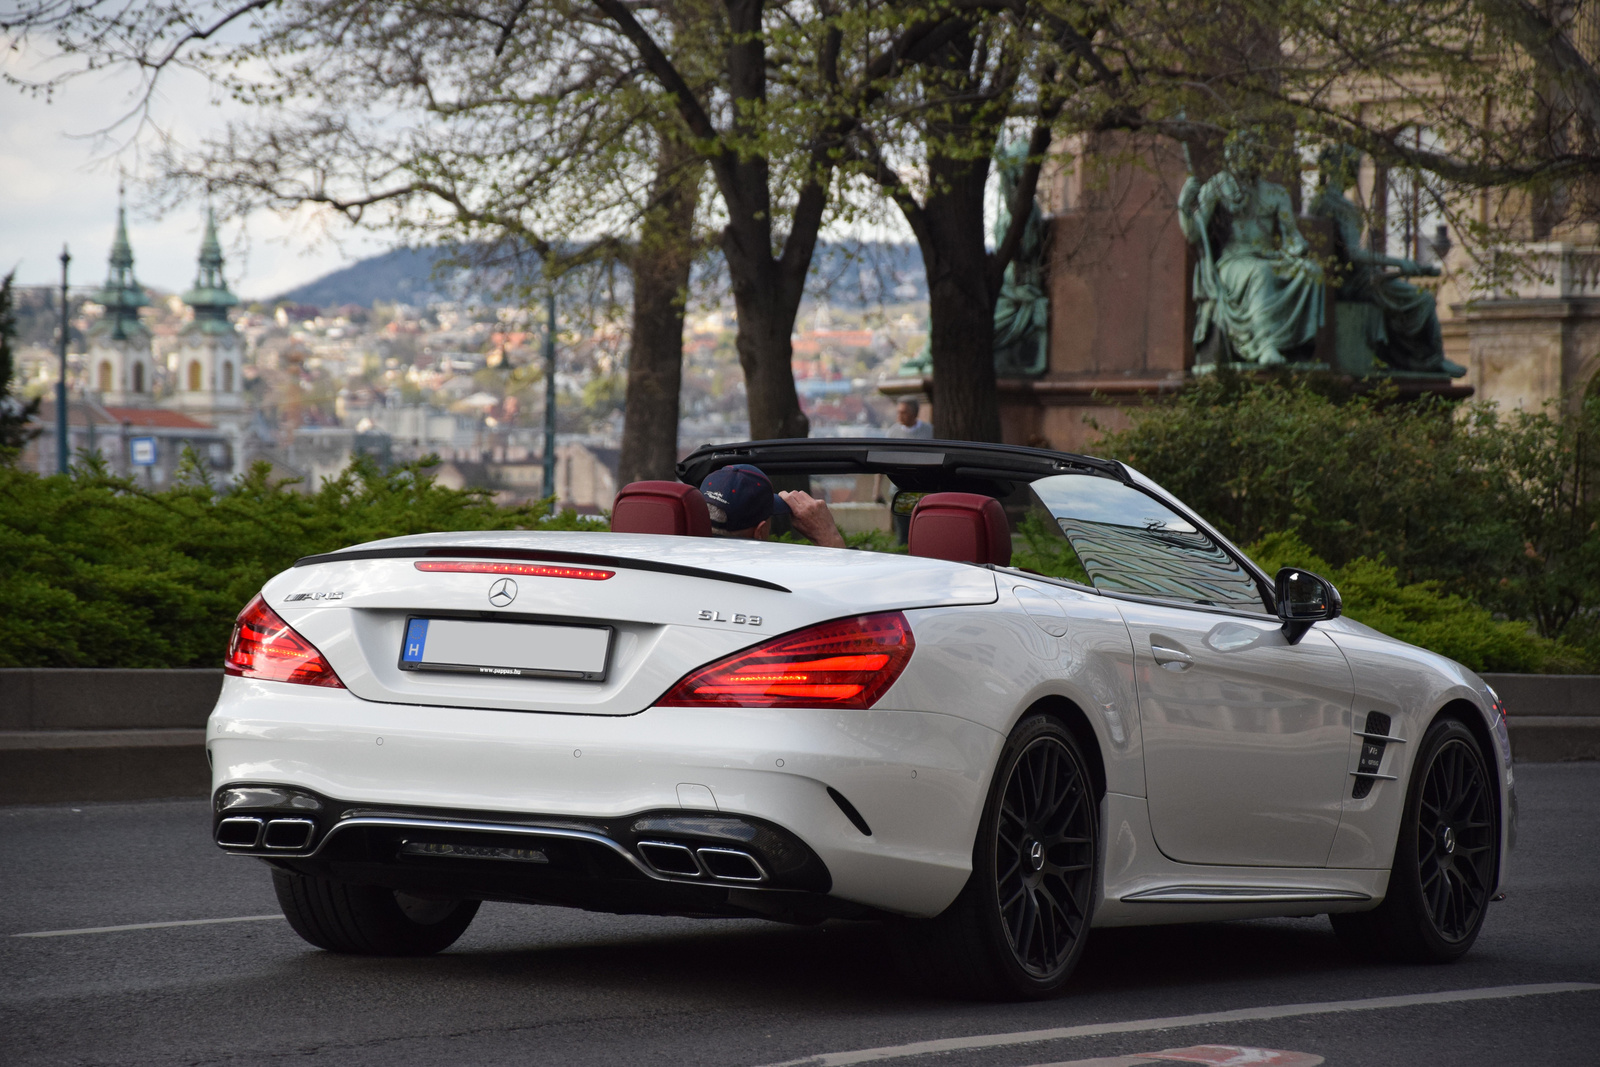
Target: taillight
x,y
847,663
264,646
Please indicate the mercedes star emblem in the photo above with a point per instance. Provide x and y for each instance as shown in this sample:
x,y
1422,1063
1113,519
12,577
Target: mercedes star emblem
x,y
502,592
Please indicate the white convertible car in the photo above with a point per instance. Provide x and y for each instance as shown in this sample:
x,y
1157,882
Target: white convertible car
x,y
662,721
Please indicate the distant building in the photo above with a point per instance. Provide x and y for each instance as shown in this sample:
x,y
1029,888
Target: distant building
x,y
210,354
586,477
209,360
113,431
120,365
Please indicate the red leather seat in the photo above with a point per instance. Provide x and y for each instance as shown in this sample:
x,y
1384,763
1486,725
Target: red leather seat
x,y
964,527
660,508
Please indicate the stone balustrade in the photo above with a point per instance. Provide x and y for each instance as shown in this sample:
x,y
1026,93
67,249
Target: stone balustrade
x,y
1547,270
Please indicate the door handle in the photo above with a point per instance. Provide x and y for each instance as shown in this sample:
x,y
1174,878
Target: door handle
x,y
1171,659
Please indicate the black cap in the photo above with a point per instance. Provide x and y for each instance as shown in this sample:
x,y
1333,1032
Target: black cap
x,y
739,497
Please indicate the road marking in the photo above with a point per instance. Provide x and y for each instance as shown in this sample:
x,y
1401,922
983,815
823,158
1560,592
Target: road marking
x,y
1210,1055
1177,1022
148,926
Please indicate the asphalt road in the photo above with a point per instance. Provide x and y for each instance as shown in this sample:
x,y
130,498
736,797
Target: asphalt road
x,y
547,986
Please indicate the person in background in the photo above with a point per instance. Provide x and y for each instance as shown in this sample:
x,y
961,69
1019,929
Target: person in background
x,y
908,424
742,503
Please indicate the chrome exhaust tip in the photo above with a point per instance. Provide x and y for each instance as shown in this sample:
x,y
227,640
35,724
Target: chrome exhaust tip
x,y
239,831
731,865
666,858
289,835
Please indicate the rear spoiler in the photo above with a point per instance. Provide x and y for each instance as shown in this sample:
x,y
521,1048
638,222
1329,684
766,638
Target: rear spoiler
x,y
540,556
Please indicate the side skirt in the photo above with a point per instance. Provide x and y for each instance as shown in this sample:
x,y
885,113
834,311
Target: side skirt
x,y
1145,888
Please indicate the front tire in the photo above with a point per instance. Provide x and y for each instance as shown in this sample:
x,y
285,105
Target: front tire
x,y
369,920
1445,861
1020,924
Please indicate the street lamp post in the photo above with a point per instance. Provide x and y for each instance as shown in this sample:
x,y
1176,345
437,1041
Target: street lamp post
x,y
61,382
550,396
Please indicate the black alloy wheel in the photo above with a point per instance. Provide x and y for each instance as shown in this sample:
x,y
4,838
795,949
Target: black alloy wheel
x,y
1044,856
1020,924
1446,857
1455,840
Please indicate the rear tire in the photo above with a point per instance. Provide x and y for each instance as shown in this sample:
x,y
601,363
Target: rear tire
x,y
1020,924
368,920
1445,861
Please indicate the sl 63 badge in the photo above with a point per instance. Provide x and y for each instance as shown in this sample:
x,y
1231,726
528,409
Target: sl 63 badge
x,y
707,615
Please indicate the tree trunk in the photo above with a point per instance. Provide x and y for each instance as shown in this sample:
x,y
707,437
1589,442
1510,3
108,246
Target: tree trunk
x,y
766,308
961,293
660,267
961,305
766,289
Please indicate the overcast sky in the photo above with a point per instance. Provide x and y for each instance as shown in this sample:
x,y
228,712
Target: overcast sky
x,y
56,187
58,182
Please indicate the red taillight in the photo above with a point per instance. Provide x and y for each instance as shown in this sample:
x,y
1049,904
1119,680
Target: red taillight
x,y
847,663
536,570
264,646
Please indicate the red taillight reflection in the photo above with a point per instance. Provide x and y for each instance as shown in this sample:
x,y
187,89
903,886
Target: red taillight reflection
x,y
264,646
535,570
847,663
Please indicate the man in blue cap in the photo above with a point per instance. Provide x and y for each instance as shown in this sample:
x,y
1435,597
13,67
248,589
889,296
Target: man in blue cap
x,y
742,503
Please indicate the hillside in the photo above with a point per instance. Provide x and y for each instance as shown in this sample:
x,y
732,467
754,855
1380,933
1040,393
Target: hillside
x,y
846,275
403,275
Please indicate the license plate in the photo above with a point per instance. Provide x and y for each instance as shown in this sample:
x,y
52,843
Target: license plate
x,y
506,649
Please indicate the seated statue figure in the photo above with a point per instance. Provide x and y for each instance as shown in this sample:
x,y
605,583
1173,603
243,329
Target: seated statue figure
x,y
1261,290
1405,334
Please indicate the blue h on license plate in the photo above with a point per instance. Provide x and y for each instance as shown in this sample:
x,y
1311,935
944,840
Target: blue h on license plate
x,y
416,641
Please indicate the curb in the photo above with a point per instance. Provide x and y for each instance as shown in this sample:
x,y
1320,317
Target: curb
x,y
47,767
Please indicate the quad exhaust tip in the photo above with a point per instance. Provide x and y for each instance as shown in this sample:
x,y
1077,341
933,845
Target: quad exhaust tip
x,y
278,835
288,834
720,864
239,832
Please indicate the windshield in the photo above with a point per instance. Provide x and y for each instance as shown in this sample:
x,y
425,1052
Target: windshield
x,y
1127,541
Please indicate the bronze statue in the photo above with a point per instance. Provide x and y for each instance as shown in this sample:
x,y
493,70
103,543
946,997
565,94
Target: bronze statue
x,y
1261,290
1405,334
1022,312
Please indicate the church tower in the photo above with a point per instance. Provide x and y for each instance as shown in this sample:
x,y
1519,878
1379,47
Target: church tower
x,y
209,359
120,363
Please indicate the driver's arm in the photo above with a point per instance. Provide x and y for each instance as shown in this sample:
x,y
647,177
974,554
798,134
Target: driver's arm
x,y
811,519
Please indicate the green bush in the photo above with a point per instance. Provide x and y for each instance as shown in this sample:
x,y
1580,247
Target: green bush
x,y
96,571
1422,613
1501,508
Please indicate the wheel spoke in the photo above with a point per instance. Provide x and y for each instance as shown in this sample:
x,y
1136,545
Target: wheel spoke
x,y
1027,923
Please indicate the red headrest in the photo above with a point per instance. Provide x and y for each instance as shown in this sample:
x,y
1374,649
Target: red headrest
x,y
964,527
660,508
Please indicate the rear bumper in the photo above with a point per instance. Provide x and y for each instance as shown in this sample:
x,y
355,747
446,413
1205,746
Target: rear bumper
x,y
916,780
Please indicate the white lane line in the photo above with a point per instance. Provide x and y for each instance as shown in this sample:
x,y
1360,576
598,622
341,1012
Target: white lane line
x,y
148,926
1175,1022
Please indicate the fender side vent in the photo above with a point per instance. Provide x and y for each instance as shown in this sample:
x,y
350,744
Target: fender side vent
x,y
850,811
1371,754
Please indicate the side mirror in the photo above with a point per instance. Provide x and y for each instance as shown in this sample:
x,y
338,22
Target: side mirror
x,y
1304,598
